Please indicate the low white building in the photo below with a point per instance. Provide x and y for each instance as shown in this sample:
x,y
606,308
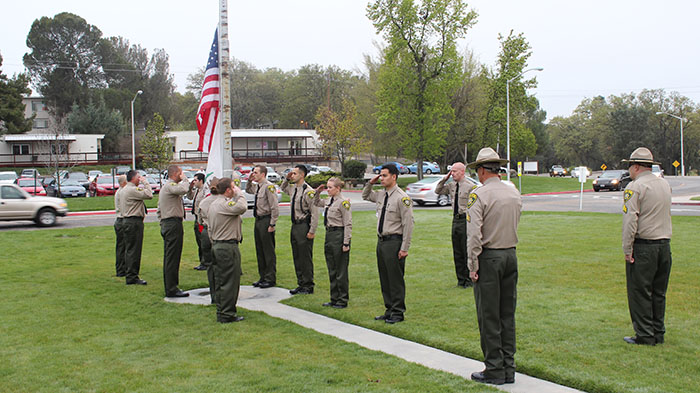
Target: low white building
x,y
36,148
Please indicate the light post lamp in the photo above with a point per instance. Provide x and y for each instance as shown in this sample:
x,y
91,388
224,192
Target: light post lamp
x,y
133,148
508,112
681,119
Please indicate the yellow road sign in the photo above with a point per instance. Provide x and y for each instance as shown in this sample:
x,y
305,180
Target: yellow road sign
x,y
676,163
603,167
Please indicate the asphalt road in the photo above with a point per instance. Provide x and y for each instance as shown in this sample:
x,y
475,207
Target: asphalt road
x,y
599,202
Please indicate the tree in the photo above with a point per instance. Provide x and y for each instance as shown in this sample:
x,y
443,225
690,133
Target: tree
x,y
340,132
155,147
12,119
421,70
97,119
65,62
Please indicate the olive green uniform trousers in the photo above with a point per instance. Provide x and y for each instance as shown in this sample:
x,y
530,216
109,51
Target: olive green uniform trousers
x,y
133,239
302,254
337,262
265,250
227,271
171,231
495,293
459,249
120,248
208,255
391,271
647,281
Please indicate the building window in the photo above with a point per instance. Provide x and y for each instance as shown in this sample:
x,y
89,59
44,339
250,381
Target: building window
x,y
41,123
270,145
58,148
38,106
20,150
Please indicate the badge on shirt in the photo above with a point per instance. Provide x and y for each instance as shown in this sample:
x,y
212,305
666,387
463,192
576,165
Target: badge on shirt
x,y
231,203
346,204
271,188
472,199
237,182
173,184
311,193
628,195
624,209
406,201
139,188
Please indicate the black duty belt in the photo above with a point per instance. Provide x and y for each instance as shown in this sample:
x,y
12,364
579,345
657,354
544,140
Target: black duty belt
x,y
654,241
461,216
330,229
261,217
171,218
493,249
232,241
306,220
134,218
389,237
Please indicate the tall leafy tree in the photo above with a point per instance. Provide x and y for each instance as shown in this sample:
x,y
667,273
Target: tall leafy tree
x,y
12,119
155,147
65,60
96,118
339,132
421,69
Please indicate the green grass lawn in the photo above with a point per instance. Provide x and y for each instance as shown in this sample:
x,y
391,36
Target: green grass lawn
x,y
69,325
537,184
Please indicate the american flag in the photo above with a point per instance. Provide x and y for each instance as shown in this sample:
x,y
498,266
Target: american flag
x,y
208,111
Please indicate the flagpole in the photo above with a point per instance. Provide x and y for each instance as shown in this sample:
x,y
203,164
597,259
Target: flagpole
x,y
225,89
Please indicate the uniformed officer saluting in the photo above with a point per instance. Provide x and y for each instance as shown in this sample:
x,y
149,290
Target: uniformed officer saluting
x,y
120,249
394,229
337,219
196,194
205,241
224,216
459,192
493,215
171,212
304,222
646,242
266,212
137,190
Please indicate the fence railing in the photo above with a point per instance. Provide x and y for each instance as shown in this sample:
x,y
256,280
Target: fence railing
x,y
89,158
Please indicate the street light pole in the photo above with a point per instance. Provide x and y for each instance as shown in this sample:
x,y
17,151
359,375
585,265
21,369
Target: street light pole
x,y
508,114
681,119
133,148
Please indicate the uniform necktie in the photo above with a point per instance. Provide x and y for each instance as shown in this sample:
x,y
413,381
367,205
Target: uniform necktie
x,y
294,199
456,202
255,204
194,201
325,213
381,218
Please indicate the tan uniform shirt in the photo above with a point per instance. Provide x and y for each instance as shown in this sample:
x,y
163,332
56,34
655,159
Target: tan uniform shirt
x,y
202,208
117,206
338,214
170,199
398,219
647,210
493,215
304,204
131,199
465,187
224,217
267,199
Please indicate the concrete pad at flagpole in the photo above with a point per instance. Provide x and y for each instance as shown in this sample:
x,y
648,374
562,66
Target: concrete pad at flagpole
x,y
267,301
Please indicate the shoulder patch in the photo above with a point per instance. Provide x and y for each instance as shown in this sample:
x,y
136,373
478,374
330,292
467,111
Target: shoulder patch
x,y
271,188
231,203
472,199
311,193
624,209
474,187
628,195
406,201
237,182
139,188
346,204
469,218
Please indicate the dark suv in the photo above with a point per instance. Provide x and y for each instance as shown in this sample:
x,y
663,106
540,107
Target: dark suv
x,y
612,180
557,170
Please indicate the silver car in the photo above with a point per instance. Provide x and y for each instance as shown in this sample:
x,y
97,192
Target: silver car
x,y
17,204
423,191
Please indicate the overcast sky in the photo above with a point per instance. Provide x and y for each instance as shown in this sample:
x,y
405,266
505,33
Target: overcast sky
x,y
587,48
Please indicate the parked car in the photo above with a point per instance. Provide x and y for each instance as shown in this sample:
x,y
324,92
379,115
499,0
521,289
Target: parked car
x,y
31,185
428,167
8,177
423,191
107,185
574,172
557,170
311,169
272,176
612,180
70,188
17,204
81,178
403,169
155,184
250,198
122,170
322,169
31,172
244,169
93,174
657,171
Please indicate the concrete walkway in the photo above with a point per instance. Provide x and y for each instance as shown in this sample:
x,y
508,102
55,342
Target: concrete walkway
x,y
267,301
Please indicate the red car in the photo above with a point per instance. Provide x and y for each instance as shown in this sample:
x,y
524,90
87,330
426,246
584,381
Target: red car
x,y
155,185
31,185
107,185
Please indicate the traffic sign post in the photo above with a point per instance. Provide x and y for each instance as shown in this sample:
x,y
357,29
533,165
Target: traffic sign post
x,y
603,167
582,172
675,164
520,176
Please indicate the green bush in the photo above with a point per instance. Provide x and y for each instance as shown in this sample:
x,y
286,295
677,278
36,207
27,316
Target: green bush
x,y
321,178
354,169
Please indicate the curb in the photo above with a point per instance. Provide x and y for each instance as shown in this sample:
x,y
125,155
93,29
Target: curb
x,y
557,192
